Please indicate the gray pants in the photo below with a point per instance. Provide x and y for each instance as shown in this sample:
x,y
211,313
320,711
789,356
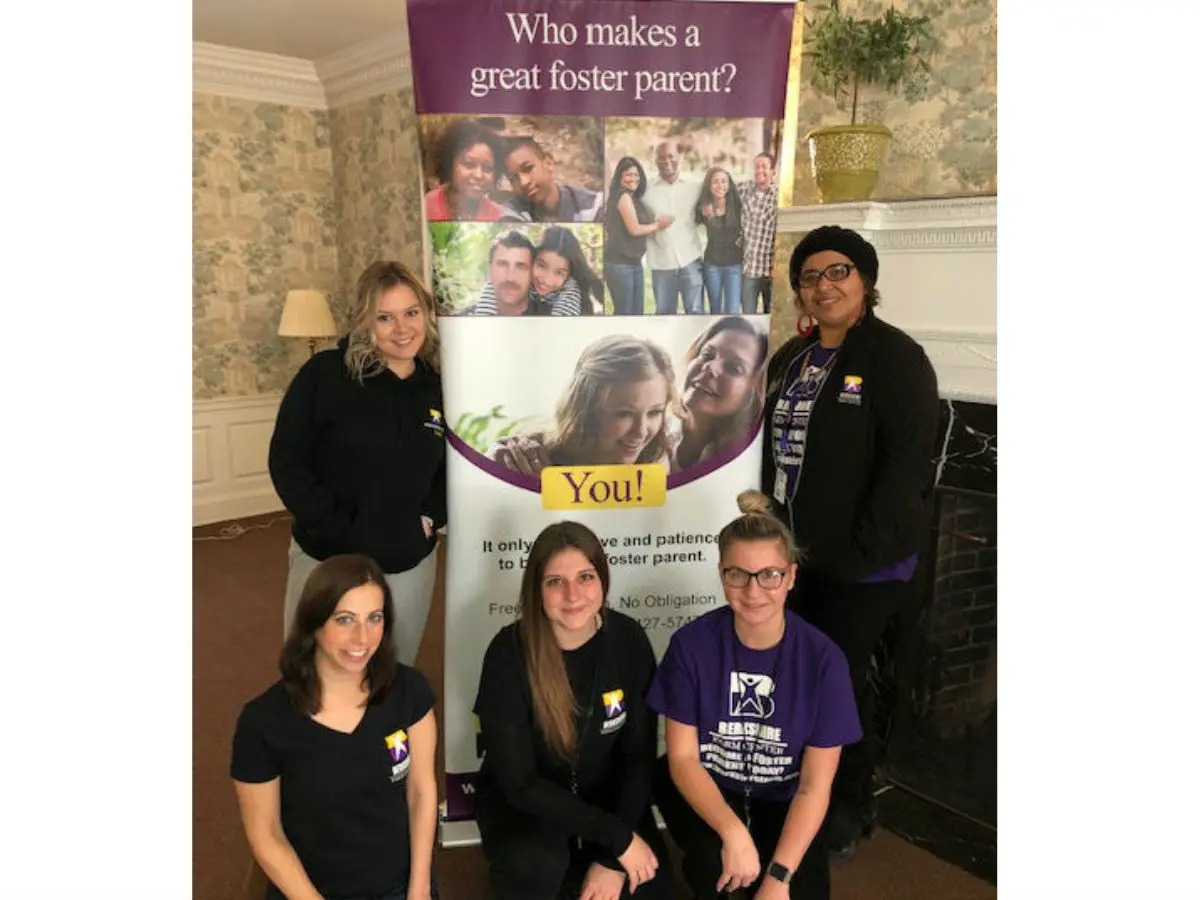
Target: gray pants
x,y
412,593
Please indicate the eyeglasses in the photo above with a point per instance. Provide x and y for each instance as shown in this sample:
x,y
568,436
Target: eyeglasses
x,y
768,579
837,272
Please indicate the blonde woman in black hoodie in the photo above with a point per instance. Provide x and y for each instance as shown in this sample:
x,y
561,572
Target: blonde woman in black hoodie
x,y
358,454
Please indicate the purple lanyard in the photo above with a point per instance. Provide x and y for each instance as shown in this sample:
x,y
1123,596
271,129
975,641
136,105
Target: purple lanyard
x,y
795,394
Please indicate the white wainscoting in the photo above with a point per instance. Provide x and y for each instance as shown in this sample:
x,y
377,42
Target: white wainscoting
x,y
230,438
937,278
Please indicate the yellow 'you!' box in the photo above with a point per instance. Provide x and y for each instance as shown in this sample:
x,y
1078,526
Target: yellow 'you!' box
x,y
604,487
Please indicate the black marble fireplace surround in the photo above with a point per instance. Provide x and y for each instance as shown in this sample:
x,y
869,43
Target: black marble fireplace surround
x,y
938,786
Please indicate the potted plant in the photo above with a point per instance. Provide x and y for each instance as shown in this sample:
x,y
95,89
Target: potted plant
x,y
890,51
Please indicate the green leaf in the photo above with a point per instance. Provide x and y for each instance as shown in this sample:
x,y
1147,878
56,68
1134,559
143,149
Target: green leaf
x,y
891,51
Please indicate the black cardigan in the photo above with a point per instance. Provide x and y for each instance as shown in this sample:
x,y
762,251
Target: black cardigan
x,y
864,494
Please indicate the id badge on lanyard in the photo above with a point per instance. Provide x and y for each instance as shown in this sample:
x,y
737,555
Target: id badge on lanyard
x,y
789,445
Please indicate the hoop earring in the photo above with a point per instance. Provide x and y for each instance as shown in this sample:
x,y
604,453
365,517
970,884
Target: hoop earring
x,y
803,329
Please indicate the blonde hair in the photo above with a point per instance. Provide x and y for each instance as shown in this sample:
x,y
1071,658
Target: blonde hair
x,y
362,357
758,523
605,363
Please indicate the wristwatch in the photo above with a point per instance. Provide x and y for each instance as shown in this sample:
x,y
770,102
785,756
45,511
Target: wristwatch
x,y
779,872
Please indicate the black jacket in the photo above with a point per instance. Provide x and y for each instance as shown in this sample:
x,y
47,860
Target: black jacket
x,y
864,494
357,465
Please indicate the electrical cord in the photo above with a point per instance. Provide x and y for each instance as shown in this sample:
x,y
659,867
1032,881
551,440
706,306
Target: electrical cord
x,y
236,530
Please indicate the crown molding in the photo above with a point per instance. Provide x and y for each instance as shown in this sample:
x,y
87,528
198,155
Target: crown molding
x,y
944,223
366,69
363,70
249,75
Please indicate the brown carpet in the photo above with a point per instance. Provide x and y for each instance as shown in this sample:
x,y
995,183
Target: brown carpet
x,y
237,603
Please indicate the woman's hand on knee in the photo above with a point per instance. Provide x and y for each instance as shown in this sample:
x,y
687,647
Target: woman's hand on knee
x,y
602,883
639,862
739,860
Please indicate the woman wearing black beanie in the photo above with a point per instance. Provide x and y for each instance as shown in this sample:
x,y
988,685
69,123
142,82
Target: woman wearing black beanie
x,y
852,407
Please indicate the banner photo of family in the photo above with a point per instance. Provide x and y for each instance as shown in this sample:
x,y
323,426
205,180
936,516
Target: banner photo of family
x,y
609,169
654,216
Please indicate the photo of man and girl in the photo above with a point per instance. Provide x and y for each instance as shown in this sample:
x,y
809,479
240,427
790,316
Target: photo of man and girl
x,y
629,400
485,269
697,236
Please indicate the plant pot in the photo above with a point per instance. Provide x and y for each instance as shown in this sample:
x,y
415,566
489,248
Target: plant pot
x,y
846,160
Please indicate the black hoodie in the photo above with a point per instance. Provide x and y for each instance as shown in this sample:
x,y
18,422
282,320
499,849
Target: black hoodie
x,y
357,465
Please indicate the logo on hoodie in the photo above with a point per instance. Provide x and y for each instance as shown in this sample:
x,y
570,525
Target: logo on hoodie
x,y
436,423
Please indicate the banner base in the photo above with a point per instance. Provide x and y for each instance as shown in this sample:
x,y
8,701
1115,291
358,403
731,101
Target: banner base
x,y
458,834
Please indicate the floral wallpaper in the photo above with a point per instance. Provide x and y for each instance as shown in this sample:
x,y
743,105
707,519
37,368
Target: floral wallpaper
x,y
942,145
783,306
377,187
262,222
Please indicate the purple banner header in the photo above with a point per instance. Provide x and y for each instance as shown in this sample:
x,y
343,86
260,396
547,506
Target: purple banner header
x,y
613,58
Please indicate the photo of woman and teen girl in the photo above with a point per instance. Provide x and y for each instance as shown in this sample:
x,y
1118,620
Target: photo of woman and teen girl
x,y
512,168
627,402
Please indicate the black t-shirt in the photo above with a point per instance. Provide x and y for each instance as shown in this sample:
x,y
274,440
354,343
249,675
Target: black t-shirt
x,y
620,246
609,677
343,800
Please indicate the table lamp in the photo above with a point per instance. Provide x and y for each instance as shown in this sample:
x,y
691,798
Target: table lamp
x,y
306,315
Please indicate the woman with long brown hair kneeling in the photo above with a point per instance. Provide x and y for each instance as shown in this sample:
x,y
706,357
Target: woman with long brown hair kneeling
x,y
563,798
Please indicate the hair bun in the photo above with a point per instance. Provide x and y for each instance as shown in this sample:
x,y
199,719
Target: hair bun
x,y
754,502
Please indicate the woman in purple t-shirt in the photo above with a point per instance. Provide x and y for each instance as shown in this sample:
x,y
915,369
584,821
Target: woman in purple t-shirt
x,y
758,705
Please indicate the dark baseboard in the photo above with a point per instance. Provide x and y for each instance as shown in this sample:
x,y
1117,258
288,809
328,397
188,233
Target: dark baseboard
x,y
957,839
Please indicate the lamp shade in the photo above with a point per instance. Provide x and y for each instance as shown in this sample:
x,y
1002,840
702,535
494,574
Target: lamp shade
x,y
306,314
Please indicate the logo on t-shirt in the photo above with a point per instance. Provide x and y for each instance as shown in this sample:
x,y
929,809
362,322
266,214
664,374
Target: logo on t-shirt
x,y
397,744
750,695
614,711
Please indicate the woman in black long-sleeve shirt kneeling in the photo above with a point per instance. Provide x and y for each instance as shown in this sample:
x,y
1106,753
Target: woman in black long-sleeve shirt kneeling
x,y
563,799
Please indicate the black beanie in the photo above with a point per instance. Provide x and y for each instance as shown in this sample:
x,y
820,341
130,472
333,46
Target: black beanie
x,y
849,243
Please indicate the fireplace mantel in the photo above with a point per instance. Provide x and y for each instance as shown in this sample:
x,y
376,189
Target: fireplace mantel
x,y
937,278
